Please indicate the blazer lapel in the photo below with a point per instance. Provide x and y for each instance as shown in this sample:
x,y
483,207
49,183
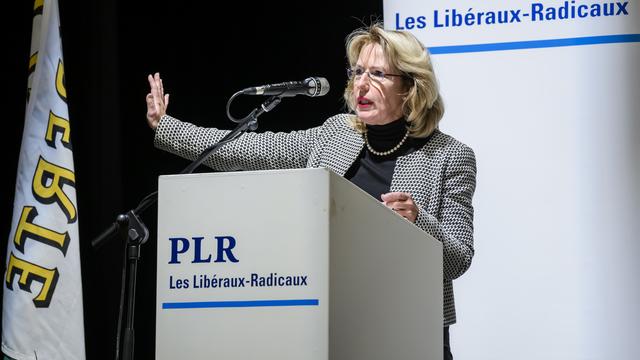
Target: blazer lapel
x,y
344,151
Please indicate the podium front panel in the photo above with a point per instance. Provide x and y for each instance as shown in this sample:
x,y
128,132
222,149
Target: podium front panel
x,y
242,266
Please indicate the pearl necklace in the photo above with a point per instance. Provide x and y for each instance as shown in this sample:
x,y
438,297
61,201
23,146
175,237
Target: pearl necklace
x,y
390,151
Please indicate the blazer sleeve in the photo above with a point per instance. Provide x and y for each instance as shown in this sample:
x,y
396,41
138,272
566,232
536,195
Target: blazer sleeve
x,y
453,226
251,151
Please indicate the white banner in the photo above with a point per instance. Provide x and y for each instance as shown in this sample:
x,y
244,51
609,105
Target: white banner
x,y
42,310
546,93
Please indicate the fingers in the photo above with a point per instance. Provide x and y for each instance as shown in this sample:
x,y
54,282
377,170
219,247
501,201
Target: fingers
x,y
153,92
400,206
407,214
395,196
160,99
156,100
155,85
410,214
402,203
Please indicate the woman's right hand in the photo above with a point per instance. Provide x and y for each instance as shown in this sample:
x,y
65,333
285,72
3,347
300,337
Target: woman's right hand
x,y
157,101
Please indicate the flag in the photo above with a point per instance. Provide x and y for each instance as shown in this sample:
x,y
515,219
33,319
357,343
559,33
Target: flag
x,y
42,309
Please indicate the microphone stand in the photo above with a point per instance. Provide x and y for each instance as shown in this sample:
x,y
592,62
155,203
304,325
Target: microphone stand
x,y
137,233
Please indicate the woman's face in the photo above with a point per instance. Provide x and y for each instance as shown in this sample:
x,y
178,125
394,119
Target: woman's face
x,y
378,99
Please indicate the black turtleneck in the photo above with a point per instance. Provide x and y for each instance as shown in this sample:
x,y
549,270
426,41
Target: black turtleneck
x,y
373,173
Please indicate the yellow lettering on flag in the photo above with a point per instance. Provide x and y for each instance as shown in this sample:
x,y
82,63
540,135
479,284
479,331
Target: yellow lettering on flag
x,y
62,90
58,124
47,186
27,229
30,272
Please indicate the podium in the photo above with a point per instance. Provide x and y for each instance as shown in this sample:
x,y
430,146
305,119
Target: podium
x,y
291,264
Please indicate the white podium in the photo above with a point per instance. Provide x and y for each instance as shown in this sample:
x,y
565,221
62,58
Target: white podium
x,y
292,264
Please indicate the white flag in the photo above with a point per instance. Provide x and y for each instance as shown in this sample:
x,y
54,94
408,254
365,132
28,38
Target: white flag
x,y
42,310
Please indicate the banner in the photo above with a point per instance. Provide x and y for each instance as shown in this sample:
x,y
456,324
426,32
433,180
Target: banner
x,y
42,310
546,93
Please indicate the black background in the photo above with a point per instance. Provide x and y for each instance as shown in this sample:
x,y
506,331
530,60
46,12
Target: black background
x,y
205,52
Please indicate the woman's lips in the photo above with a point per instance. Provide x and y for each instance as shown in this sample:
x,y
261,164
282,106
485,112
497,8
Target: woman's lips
x,y
364,103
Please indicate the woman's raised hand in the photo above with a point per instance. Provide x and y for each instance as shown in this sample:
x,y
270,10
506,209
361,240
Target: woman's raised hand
x,y
157,101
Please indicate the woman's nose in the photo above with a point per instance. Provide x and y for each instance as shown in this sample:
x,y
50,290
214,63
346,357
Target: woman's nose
x,y
363,80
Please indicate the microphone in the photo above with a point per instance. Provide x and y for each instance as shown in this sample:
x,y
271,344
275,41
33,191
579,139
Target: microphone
x,y
313,86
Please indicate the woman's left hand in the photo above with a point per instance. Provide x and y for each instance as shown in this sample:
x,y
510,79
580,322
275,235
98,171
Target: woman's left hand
x,y
402,203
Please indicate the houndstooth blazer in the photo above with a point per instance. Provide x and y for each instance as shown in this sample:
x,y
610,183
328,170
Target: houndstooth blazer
x,y
440,176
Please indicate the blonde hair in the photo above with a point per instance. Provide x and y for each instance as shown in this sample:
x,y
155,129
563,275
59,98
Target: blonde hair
x,y
422,106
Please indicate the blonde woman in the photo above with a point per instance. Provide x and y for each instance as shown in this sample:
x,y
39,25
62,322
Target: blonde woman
x,y
389,145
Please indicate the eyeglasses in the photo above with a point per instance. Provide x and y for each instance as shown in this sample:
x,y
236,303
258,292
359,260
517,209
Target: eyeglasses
x,y
378,75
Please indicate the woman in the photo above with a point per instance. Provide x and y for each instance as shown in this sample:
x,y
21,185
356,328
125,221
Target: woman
x,y
390,145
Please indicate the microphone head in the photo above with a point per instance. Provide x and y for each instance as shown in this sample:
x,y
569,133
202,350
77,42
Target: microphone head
x,y
318,86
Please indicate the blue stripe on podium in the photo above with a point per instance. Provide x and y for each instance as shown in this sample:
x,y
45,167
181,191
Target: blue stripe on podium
x,y
535,44
239,304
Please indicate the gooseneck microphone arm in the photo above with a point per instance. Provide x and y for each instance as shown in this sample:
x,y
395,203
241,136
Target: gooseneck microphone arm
x,y
252,118
137,233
